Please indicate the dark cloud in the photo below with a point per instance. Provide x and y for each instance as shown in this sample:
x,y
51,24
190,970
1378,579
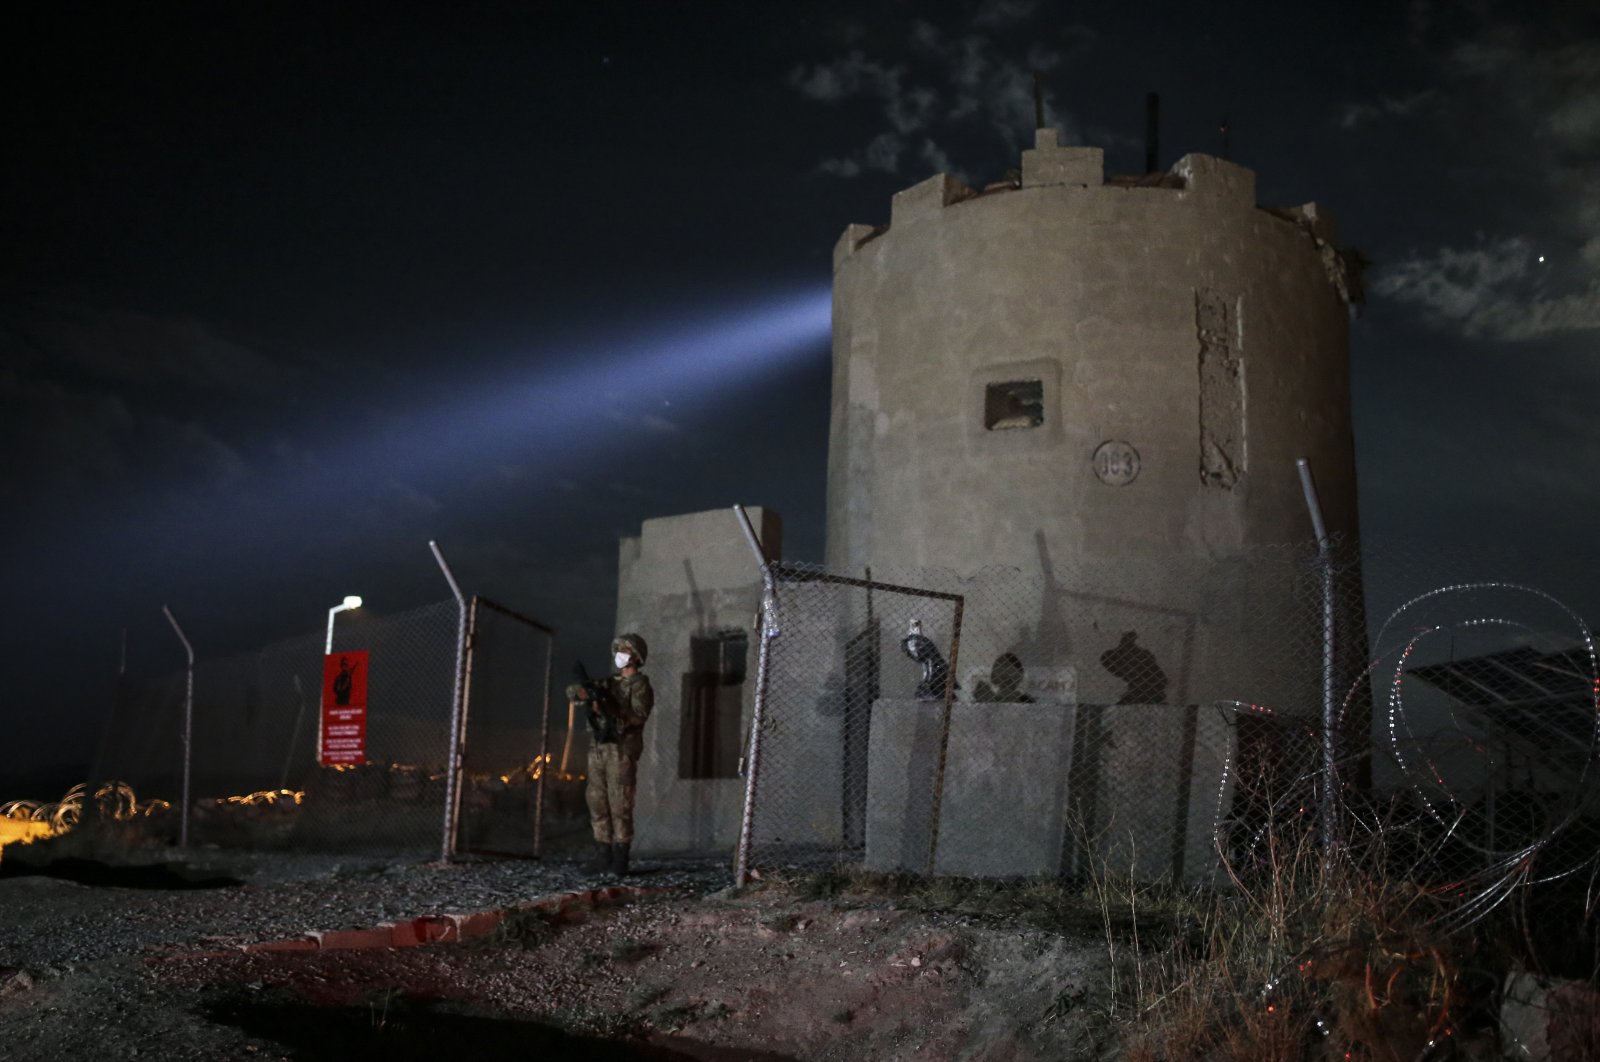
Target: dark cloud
x,y
1356,114
120,348
67,445
1528,105
1490,291
134,415
999,13
944,89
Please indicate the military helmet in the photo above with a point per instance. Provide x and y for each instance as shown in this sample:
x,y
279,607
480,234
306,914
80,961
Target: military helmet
x,y
634,644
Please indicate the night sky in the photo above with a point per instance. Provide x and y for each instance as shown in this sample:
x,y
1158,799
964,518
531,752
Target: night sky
x,y
289,290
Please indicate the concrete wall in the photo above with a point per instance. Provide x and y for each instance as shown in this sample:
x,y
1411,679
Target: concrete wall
x,y
1046,789
682,577
1005,788
1151,786
1182,324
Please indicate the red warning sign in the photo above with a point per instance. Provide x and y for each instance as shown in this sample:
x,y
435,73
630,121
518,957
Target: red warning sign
x,y
344,708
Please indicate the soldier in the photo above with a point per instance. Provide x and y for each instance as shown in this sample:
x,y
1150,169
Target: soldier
x,y
621,704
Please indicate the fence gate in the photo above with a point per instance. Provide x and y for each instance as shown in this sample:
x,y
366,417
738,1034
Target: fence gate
x,y
506,754
854,661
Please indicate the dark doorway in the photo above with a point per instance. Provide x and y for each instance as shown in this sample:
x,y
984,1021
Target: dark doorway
x,y
713,694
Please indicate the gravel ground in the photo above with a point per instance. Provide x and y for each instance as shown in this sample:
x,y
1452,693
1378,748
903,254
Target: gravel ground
x,y
283,896
688,970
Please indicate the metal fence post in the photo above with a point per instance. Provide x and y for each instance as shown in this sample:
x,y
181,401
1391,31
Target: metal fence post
x,y
769,631
1329,751
544,750
566,748
460,735
188,728
294,734
447,842
483,664
944,735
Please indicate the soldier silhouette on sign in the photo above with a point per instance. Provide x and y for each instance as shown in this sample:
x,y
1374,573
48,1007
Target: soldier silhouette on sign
x,y
343,682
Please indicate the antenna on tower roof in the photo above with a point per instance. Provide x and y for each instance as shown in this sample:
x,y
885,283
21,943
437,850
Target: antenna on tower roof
x,y
1038,102
1226,128
1152,132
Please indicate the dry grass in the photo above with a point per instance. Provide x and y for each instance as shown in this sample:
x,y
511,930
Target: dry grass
x,y
1298,958
1307,958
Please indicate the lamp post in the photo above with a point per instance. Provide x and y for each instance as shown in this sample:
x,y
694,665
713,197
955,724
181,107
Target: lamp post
x,y
350,602
188,728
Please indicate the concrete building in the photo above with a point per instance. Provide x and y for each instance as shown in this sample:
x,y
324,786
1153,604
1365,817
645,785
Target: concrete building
x,y
692,587
1078,403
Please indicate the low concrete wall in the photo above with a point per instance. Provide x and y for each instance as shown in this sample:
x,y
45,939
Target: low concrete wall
x,y
1151,782
1041,789
1004,791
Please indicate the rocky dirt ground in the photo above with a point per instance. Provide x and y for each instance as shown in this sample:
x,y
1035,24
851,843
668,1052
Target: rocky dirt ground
x,y
684,968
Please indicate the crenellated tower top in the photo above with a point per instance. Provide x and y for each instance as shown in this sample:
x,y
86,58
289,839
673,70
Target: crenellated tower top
x,y
1195,177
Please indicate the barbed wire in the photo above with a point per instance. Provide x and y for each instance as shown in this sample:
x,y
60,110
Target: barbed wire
x,y
1442,828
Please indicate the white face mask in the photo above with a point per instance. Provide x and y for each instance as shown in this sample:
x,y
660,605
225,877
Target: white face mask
x,y
622,660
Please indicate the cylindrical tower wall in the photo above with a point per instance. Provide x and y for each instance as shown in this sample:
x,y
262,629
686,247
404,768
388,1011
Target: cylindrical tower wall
x,y
1106,386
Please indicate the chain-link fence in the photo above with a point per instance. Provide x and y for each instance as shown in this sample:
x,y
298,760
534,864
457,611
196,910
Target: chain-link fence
x,y
258,773
506,748
825,679
1153,716
1162,717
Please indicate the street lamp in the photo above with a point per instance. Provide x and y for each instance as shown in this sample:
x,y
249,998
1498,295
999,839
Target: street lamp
x,y
350,602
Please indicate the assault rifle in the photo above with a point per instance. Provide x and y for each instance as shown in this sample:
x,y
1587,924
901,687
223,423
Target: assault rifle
x,y
599,706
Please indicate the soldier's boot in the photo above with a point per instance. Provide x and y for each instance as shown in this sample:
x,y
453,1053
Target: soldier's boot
x,y
600,860
619,858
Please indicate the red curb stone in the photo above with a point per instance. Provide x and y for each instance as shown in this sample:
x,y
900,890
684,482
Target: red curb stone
x,y
348,939
558,908
299,944
477,924
442,930
403,934
429,929
437,929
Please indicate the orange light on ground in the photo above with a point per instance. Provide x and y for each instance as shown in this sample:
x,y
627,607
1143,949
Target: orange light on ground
x,y
266,796
26,821
14,831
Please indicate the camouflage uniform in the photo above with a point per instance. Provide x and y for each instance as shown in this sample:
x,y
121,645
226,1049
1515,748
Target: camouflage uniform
x,y
613,766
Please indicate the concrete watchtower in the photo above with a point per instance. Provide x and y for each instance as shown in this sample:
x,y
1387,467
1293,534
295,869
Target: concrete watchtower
x,y
1104,384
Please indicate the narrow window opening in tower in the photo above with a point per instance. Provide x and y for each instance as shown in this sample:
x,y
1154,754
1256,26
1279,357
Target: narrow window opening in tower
x,y
713,693
1013,404
1222,424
